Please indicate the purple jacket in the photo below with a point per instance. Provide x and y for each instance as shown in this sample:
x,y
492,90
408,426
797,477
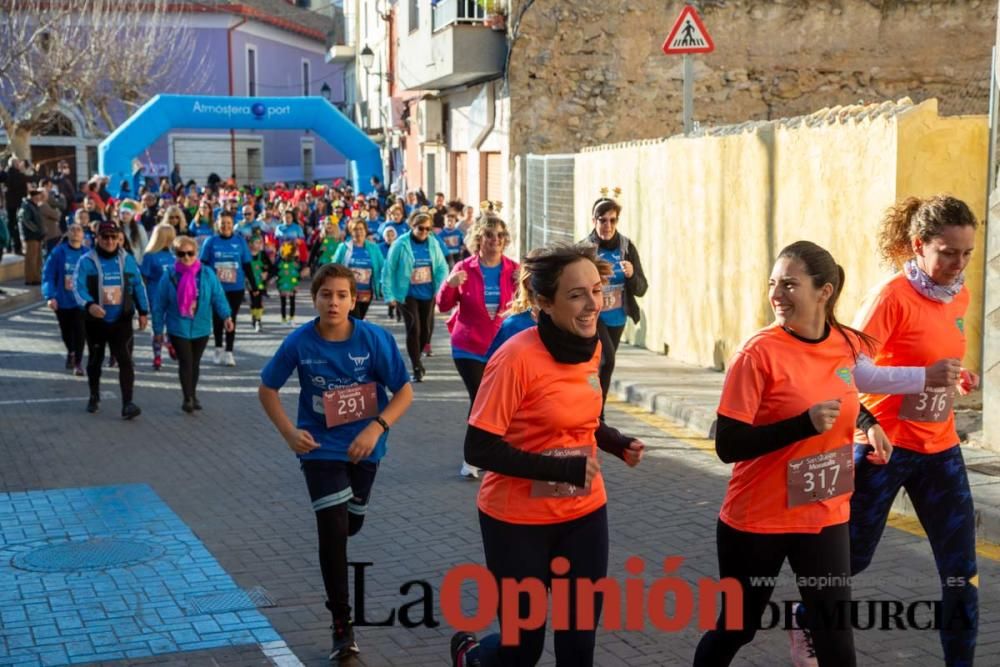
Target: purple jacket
x,y
471,327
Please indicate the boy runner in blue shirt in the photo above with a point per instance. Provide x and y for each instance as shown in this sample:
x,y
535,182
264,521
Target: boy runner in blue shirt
x,y
344,368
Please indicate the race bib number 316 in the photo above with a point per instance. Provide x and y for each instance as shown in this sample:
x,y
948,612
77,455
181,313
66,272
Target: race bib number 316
x,y
932,405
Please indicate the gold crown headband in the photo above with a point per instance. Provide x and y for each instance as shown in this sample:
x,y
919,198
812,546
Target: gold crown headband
x,y
490,205
617,191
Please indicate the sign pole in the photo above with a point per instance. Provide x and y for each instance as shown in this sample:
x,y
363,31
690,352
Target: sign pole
x,y
688,95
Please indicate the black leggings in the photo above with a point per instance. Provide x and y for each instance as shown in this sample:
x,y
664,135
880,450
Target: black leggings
x,y
288,302
418,318
823,557
118,337
189,351
610,338
471,372
584,542
235,299
360,309
72,330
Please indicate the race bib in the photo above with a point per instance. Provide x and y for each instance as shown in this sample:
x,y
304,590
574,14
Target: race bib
x,y
821,476
68,282
451,241
613,296
931,405
362,276
421,275
226,271
364,296
111,295
540,489
350,404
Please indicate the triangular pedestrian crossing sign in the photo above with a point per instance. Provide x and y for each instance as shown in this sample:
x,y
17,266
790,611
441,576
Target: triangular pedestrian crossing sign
x,y
688,35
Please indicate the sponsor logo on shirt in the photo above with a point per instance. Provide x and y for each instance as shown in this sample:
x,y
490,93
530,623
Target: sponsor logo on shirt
x,y
960,323
594,381
845,375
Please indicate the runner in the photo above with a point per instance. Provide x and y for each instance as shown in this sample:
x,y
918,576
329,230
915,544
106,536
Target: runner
x,y
918,317
229,257
157,258
262,269
326,245
627,283
108,287
202,228
536,427
57,290
789,402
289,270
452,238
365,260
345,366
414,270
482,287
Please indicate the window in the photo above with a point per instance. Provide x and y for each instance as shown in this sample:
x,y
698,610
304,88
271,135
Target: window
x,y
251,71
414,14
305,78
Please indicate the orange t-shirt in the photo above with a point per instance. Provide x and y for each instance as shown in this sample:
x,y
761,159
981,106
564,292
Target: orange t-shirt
x,y
538,405
912,330
773,377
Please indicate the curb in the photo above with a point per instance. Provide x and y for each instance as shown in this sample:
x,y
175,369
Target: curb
x,y
701,419
18,297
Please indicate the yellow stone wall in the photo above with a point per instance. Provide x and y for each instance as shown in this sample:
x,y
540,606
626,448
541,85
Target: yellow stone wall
x,y
709,214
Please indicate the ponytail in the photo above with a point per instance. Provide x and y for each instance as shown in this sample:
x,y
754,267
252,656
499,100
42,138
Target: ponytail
x,y
915,218
894,242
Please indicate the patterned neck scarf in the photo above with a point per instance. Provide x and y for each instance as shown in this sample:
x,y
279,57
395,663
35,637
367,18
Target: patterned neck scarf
x,y
926,286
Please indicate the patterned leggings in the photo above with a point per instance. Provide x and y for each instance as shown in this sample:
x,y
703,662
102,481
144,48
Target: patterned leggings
x,y
938,488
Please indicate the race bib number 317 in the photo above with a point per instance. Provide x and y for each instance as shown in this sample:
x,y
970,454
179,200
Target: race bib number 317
x,y
821,476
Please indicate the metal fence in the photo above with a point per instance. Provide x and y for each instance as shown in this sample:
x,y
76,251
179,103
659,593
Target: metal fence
x,y
548,215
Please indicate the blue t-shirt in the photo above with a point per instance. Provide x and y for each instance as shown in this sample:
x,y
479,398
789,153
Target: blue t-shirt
x,y
154,264
361,264
227,257
511,326
370,355
201,232
422,266
614,291
452,240
400,227
289,231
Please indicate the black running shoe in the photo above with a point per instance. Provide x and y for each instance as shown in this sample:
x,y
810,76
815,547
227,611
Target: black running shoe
x,y
93,405
196,403
187,406
462,643
344,645
130,411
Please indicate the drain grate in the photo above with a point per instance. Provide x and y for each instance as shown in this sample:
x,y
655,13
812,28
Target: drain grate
x,y
90,554
238,600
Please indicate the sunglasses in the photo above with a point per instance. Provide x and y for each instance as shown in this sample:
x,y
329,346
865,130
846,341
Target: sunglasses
x,y
608,221
422,228
494,235
186,253
107,237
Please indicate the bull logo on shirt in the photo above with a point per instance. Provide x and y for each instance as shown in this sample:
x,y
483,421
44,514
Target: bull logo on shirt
x,y
845,375
359,361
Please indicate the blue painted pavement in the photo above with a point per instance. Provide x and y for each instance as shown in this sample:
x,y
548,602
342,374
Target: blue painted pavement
x,y
111,573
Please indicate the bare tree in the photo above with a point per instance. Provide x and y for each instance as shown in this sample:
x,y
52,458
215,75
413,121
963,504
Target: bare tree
x,y
98,57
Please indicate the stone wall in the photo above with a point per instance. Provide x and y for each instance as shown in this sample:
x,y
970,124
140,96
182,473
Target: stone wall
x,y
585,72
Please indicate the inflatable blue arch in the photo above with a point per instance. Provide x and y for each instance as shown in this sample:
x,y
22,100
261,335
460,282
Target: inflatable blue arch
x,y
165,112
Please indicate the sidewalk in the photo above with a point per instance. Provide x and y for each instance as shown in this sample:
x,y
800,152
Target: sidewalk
x,y
689,395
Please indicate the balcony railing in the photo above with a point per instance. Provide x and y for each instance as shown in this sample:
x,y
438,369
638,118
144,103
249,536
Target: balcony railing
x,y
449,12
342,33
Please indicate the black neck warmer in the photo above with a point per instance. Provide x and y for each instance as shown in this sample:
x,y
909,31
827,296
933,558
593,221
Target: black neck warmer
x,y
104,254
566,348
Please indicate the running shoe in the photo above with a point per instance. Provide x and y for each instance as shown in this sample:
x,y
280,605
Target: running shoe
x,y
78,370
171,351
93,404
157,363
803,652
419,373
427,350
130,411
464,650
229,359
469,472
187,406
344,645
218,356
256,326
69,361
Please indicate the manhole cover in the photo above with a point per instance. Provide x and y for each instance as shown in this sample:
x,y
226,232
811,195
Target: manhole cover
x,y
91,554
236,600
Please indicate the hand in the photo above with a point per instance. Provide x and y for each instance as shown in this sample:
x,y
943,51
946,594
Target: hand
x,y
143,321
457,279
943,373
883,447
823,415
52,304
96,311
593,467
967,382
364,443
299,441
633,454
627,268
228,324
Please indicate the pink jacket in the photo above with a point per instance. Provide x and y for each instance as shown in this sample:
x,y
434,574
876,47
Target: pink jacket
x,y
471,327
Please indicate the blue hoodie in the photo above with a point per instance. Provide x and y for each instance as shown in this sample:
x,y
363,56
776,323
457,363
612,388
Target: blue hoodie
x,y
210,296
57,276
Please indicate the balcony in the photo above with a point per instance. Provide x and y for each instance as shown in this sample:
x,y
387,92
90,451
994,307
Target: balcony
x,y
457,46
340,41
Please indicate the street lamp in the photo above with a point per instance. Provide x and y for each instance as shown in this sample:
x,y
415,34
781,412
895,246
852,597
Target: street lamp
x,y
367,57
326,92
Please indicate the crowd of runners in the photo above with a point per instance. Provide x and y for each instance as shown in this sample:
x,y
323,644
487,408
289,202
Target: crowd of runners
x,y
824,422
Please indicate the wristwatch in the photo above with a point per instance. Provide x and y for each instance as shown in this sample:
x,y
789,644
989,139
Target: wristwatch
x,y
383,423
